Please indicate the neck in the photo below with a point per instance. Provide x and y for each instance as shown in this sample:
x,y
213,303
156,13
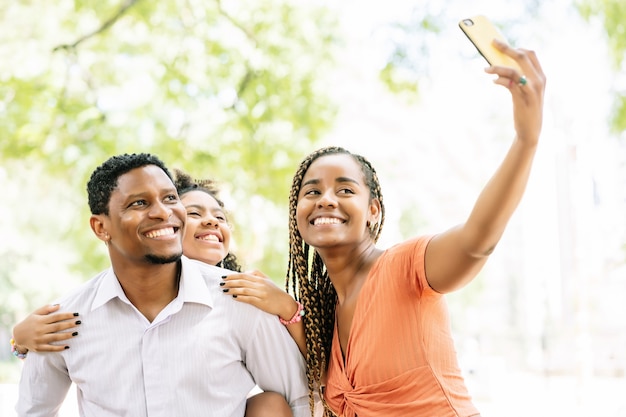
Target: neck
x,y
149,287
348,269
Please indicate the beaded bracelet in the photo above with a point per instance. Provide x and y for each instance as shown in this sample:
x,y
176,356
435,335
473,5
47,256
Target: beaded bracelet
x,y
296,317
16,352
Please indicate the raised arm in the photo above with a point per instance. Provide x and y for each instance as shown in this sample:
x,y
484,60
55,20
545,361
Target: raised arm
x,y
455,257
257,289
41,328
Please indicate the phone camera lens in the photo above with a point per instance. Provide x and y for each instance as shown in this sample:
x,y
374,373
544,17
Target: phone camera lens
x,y
468,22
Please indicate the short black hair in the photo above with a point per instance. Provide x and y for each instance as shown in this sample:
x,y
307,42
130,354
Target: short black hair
x,y
104,178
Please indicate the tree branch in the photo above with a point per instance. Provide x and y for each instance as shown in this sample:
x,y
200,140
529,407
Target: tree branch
x,y
104,26
232,20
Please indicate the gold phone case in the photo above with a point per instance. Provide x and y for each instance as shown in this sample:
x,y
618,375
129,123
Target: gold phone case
x,y
481,32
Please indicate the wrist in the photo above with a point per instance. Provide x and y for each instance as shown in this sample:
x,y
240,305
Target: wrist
x,y
17,350
297,316
288,307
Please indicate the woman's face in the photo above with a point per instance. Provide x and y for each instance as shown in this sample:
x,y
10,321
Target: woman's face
x,y
334,203
207,232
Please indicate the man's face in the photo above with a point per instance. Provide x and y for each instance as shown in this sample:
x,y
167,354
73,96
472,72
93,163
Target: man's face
x,y
146,217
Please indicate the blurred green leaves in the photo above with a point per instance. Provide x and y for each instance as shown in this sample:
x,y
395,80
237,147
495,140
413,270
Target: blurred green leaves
x,y
612,14
229,90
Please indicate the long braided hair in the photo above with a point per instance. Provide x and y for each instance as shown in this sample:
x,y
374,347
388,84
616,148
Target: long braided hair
x,y
307,278
184,184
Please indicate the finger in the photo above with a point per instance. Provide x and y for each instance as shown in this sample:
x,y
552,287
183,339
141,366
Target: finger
x,y
243,281
62,326
59,317
505,82
50,348
523,57
248,300
57,337
504,72
239,276
256,273
242,291
519,55
532,57
236,284
47,309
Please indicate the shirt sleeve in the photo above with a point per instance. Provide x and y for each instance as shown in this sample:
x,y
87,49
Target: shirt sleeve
x,y
276,364
43,385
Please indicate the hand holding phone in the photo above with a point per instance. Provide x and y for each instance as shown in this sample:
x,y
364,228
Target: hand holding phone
x,y
481,32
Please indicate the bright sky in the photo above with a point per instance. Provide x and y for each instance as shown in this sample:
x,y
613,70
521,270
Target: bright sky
x,y
436,156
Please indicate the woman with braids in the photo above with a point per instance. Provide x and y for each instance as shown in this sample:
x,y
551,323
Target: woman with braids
x,y
207,239
377,328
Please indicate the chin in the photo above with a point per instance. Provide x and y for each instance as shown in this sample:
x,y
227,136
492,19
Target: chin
x,y
211,261
163,259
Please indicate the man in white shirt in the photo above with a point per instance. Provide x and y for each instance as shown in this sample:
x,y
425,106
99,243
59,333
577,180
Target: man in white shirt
x,y
158,337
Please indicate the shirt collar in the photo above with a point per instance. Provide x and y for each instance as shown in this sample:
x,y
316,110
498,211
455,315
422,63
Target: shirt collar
x,y
192,287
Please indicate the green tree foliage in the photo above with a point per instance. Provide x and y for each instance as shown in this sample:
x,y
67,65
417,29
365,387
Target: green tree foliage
x,y
229,90
612,13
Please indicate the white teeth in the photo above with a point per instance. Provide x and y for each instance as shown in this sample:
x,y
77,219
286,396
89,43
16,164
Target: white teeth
x,y
161,232
327,220
212,238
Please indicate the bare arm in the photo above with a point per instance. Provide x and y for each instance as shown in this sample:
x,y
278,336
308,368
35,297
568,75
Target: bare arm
x,y
42,327
257,289
455,257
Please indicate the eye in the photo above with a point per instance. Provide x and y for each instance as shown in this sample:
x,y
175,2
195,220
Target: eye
x,y
138,203
193,213
312,191
171,198
345,191
220,216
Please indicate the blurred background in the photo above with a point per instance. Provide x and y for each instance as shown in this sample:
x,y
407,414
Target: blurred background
x,y
240,91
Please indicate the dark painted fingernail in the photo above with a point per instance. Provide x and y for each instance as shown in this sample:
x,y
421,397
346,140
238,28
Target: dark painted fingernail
x,y
66,347
76,314
235,296
75,334
225,290
78,322
222,283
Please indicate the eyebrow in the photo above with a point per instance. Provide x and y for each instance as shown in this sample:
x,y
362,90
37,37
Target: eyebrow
x,y
196,206
204,208
337,180
143,194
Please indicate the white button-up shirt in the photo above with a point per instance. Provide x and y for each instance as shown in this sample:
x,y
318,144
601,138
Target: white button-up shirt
x,y
199,357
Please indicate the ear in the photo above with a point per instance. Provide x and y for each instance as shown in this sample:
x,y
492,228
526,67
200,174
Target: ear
x,y
99,227
374,210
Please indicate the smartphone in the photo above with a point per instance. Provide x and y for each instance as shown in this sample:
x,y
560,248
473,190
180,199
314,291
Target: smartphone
x,y
481,32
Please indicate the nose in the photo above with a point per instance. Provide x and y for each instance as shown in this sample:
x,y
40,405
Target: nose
x,y
327,199
210,220
159,210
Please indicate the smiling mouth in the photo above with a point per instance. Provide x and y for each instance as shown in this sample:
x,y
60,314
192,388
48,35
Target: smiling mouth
x,y
326,220
209,238
168,231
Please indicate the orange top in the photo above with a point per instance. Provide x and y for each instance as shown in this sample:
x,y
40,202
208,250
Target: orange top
x,y
400,358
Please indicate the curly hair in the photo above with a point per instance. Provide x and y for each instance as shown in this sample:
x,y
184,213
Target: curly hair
x,y
184,184
307,278
104,178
